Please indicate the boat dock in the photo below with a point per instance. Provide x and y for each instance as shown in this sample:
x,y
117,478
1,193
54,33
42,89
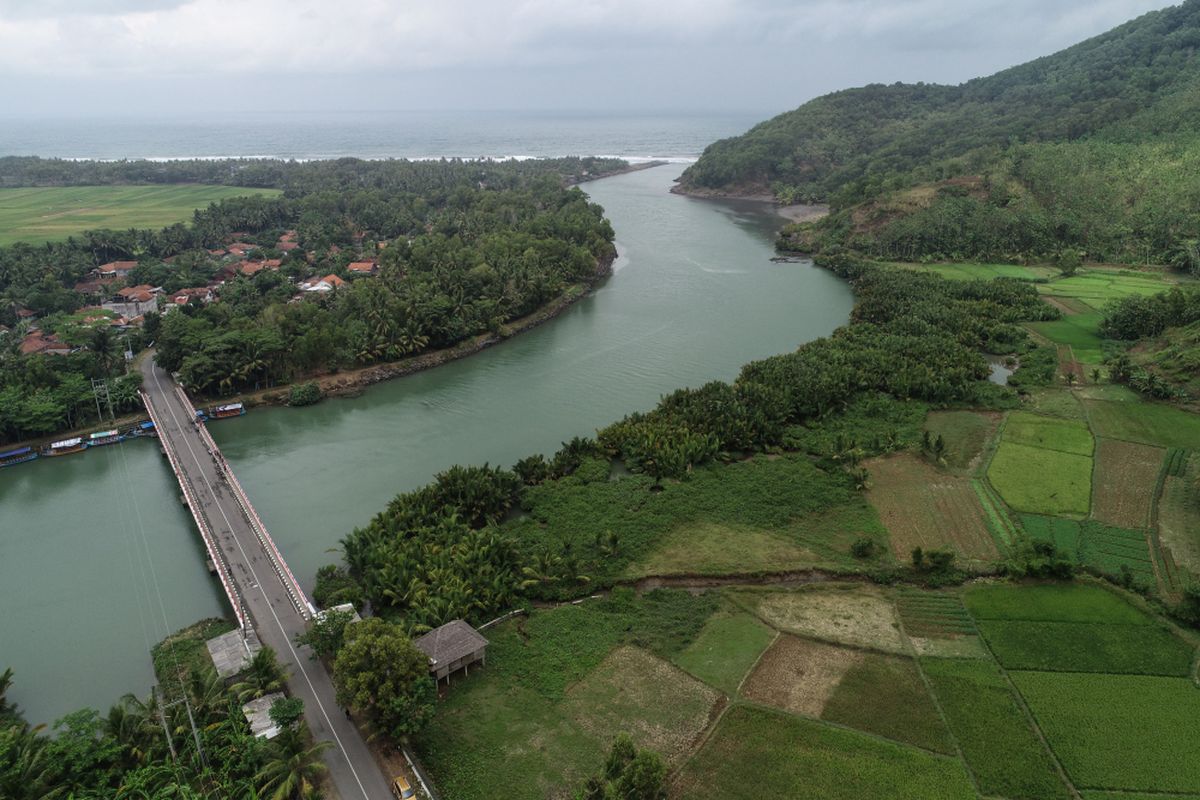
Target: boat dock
x,y
267,601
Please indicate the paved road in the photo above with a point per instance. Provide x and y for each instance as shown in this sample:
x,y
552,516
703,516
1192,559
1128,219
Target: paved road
x,y
353,771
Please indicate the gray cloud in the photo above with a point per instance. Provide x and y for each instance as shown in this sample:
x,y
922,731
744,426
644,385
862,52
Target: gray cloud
x,y
701,54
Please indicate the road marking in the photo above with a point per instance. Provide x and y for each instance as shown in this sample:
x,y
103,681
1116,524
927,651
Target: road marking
x,y
299,662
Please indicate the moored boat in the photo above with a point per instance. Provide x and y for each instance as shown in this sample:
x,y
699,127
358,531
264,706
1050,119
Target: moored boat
x,y
144,429
227,410
21,454
67,446
104,437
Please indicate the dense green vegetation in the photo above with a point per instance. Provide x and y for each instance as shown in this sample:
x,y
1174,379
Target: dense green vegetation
x,y
466,248
1092,149
125,753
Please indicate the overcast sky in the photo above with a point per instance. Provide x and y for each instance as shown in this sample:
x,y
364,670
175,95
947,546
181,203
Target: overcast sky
x,y
161,57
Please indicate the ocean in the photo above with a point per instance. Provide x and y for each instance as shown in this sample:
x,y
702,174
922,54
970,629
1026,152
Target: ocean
x,y
225,133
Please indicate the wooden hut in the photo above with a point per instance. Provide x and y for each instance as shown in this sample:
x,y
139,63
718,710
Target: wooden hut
x,y
451,647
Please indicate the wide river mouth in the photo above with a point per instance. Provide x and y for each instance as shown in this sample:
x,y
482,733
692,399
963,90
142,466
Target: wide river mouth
x,y
98,559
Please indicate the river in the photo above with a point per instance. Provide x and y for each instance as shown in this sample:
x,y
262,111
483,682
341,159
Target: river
x,y
693,297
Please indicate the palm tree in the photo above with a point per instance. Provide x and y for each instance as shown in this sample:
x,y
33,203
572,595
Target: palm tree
x,y
294,770
263,676
103,344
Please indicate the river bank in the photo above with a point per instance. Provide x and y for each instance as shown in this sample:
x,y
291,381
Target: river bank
x,y
794,212
673,314
350,383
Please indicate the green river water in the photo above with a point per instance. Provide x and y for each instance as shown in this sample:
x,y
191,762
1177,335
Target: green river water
x,y
98,559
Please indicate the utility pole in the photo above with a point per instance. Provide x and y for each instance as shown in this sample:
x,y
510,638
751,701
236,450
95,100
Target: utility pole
x,y
100,392
162,718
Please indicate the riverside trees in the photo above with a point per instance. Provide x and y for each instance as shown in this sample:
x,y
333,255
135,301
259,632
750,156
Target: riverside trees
x,y
462,249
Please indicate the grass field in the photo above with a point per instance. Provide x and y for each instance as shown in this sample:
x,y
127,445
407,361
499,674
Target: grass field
x,y
885,695
1044,464
1111,731
725,650
1087,647
1057,602
758,753
1148,423
787,507
1049,433
559,684
965,434
1124,482
1042,481
1096,287
924,507
996,739
51,214
970,272
853,616
1079,331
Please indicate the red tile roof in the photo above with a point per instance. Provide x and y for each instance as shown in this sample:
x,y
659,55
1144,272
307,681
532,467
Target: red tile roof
x,y
362,266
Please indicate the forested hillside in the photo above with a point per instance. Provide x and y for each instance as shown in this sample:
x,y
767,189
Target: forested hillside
x,y
1094,148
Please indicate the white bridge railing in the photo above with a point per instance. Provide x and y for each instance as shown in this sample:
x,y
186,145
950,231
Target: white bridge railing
x,y
206,534
284,573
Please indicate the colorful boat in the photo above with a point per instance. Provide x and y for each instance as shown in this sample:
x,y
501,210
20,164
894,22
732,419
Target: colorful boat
x,y
104,437
17,456
228,410
67,446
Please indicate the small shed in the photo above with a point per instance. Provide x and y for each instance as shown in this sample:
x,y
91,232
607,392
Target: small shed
x,y
258,714
451,647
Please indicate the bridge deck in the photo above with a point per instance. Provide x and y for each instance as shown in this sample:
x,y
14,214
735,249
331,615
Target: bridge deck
x,y
261,589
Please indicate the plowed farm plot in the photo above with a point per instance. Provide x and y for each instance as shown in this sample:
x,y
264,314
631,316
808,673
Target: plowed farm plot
x,y
923,507
1124,481
799,675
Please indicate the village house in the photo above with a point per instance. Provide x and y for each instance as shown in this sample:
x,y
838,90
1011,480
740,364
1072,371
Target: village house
x,y
363,267
451,647
251,268
96,285
240,249
37,343
184,296
116,269
135,301
326,284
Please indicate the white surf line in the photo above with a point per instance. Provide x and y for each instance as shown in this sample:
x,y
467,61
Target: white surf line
x,y
263,592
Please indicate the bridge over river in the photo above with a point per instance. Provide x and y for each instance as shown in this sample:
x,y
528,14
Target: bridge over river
x,y
267,601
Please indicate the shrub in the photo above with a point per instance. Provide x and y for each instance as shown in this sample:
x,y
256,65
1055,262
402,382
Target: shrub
x,y
304,394
863,548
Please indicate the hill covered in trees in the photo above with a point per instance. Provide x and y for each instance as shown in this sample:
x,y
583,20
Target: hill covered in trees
x,y
1094,148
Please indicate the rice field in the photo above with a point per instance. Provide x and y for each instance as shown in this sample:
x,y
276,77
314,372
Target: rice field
x,y
1080,332
1128,732
49,214
1149,423
1096,287
1044,465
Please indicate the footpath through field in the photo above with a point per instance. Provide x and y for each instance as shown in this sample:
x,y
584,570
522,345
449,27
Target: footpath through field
x,y
265,587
